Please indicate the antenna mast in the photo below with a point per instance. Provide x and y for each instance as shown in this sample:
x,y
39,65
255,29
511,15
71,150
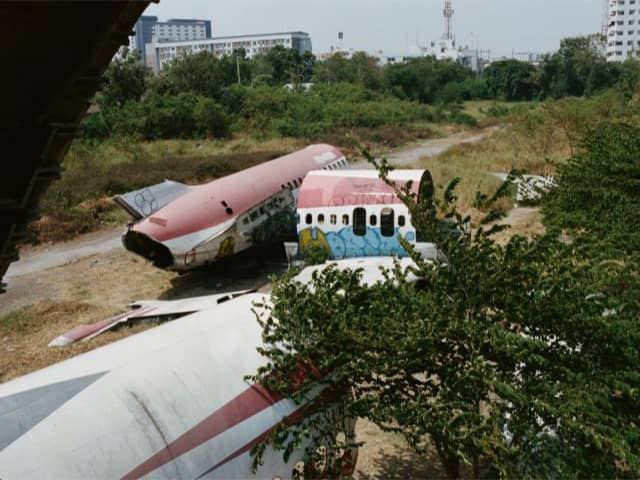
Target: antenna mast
x,y
448,19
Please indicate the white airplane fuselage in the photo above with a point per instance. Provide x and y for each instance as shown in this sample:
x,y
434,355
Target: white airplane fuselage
x,y
170,402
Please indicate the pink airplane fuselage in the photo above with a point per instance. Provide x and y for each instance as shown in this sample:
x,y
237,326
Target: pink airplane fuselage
x,y
215,220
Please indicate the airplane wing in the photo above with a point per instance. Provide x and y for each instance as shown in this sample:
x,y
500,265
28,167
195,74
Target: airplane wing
x,y
146,201
145,310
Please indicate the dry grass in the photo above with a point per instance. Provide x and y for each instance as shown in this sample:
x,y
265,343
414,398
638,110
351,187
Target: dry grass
x,y
508,149
26,332
83,292
389,456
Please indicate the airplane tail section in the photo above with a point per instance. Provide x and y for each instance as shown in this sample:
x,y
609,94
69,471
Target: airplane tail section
x,y
142,203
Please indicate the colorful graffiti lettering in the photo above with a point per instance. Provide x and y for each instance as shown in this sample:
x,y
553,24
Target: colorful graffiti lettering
x,y
345,244
313,238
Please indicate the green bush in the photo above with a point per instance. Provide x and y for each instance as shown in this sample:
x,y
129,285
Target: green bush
x,y
95,126
211,118
598,189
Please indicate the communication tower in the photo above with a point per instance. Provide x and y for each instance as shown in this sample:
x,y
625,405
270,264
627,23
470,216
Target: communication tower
x,y
448,19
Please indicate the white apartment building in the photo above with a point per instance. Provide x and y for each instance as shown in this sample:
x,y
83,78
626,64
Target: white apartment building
x,y
623,33
180,30
148,29
159,54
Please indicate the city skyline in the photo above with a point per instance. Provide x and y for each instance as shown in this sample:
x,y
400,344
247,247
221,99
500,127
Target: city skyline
x,y
501,26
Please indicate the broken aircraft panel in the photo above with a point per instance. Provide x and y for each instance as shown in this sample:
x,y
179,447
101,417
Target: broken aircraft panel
x,y
209,222
159,310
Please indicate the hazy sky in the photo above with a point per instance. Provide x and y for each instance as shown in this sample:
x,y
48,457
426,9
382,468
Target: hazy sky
x,y
389,25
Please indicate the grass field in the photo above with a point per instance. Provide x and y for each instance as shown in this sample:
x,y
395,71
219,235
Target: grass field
x,y
517,145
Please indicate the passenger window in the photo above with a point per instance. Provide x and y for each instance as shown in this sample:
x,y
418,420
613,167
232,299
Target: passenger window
x,y
345,219
321,219
309,219
373,220
295,183
401,221
333,219
300,180
359,221
387,222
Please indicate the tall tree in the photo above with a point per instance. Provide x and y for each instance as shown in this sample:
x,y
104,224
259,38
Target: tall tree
x,y
125,79
423,79
502,359
566,72
512,80
201,74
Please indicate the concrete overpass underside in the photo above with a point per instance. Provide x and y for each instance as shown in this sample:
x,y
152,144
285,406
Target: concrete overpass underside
x,y
52,56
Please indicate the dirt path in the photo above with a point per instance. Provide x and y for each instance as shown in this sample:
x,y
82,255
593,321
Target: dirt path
x,y
40,258
409,156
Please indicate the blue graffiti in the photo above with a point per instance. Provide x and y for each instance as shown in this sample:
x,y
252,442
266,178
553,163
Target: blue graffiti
x,y
345,244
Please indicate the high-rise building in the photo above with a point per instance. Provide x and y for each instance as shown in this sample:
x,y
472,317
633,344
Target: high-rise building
x,y
149,30
159,54
143,33
623,32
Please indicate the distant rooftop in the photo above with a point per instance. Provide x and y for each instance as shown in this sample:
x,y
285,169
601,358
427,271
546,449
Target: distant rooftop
x,y
184,20
260,35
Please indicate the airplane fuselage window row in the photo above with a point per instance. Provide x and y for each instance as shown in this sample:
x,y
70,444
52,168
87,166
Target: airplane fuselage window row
x,y
387,221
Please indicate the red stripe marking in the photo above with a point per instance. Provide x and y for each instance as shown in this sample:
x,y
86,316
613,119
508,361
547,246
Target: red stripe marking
x,y
295,416
83,331
250,402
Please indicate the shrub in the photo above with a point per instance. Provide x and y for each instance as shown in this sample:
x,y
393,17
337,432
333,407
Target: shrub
x,y
598,189
211,118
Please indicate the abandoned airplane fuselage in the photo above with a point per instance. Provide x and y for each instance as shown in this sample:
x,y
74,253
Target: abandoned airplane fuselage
x,y
352,214
183,227
170,402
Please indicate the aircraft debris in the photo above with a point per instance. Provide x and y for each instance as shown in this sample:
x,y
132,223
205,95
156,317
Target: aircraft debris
x,y
161,310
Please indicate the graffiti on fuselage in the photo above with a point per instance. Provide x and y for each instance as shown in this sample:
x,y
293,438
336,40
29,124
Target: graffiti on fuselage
x,y
345,244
